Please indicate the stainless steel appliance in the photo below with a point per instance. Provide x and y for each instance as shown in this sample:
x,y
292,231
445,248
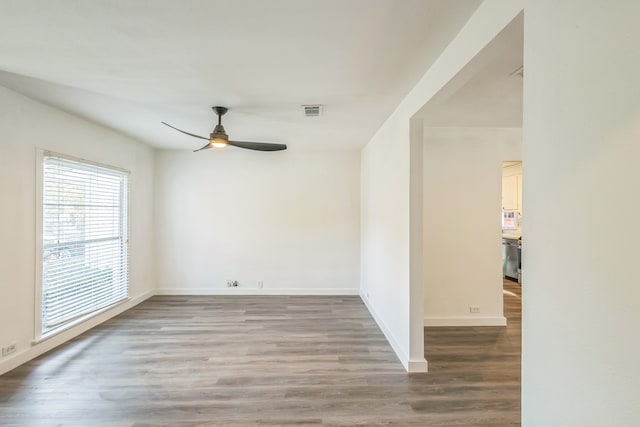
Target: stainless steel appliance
x,y
511,252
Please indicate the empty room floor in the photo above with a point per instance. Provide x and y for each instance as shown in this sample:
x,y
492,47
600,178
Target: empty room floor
x,y
266,361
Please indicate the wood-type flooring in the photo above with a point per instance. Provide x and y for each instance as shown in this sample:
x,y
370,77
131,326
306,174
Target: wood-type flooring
x,y
240,361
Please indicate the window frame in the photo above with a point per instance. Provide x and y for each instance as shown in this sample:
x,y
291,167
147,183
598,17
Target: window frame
x,y
41,154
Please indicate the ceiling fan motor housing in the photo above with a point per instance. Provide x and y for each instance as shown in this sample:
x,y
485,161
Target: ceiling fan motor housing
x,y
218,132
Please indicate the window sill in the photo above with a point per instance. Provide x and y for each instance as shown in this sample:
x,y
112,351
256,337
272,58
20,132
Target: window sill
x,y
76,322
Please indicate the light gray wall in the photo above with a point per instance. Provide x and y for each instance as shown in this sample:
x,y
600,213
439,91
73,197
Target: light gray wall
x,y
24,126
462,228
581,145
289,219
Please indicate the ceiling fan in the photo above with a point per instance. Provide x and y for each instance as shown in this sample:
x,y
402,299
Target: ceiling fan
x,y
219,138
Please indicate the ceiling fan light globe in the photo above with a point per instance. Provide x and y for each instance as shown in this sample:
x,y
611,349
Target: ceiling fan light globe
x,y
218,142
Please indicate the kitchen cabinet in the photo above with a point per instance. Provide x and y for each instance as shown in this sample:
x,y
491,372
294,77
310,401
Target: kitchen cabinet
x,y
511,193
512,187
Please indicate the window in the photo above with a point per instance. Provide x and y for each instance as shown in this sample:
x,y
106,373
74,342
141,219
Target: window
x,y
84,240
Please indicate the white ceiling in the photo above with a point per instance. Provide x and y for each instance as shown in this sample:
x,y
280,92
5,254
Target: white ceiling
x,y
487,92
131,64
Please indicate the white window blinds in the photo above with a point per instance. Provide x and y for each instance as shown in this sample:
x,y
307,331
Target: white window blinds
x,y
84,239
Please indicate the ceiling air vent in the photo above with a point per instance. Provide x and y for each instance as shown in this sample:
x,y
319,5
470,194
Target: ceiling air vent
x,y
312,110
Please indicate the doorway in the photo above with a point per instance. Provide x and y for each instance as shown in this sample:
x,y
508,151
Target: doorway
x,y
512,220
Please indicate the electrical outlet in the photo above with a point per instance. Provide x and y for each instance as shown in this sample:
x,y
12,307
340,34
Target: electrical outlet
x,y
9,349
234,283
229,283
474,309
260,284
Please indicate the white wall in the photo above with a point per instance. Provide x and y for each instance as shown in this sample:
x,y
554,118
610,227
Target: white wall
x,y
581,147
25,125
389,206
290,219
462,228
384,246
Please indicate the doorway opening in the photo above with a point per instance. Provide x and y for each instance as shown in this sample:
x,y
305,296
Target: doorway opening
x,y
512,221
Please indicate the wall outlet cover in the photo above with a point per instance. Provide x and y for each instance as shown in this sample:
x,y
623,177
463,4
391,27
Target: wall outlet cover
x,y
10,349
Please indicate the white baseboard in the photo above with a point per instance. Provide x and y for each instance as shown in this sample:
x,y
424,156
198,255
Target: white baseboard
x,y
417,366
411,366
48,344
465,321
256,291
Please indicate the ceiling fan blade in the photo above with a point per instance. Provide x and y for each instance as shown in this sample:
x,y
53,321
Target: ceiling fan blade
x,y
259,146
186,133
203,148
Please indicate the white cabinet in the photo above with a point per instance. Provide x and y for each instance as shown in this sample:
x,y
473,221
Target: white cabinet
x,y
512,188
510,194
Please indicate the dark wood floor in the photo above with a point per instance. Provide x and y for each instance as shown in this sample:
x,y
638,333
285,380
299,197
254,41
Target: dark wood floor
x,y
265,361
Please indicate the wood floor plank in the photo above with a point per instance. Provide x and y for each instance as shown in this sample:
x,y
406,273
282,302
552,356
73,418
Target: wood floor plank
x,y
239,361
